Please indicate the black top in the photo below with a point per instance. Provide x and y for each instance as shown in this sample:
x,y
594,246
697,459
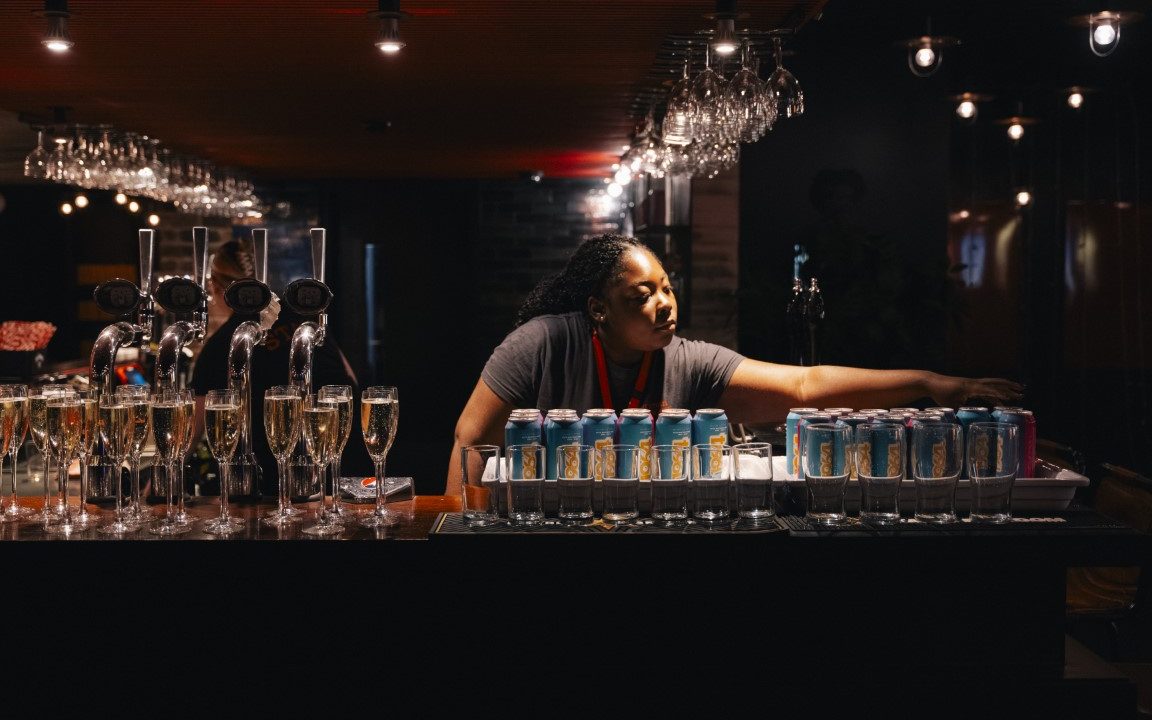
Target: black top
x,y
270,368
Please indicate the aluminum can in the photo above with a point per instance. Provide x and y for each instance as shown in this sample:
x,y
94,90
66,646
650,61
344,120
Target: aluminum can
x,y
1026,436
968,415
561,427
673,427
948,413
838,412
791,440
599,431
524,427
636,429
710,426
885,459
806,419
873,411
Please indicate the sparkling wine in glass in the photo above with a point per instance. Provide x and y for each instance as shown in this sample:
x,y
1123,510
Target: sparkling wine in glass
x,y
342,395
38,428
282,406
114,419
169,416
321,429
188,400
222,423
88,434
13,430
65,418
379,414
136,397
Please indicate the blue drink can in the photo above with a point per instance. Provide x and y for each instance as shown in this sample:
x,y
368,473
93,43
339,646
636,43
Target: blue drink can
x,y
710,427
806,419
873,411
949,414
838,412
792,441
673,427
636,429
599,431
561,427
524,427
968,415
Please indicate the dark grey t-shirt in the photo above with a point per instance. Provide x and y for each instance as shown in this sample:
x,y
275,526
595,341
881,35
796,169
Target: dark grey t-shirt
x,y
548,362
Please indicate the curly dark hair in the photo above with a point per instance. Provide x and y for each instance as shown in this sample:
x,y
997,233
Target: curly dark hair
x,y
595,262
231,261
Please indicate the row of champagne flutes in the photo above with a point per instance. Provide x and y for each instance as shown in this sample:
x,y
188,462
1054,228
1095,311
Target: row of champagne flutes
x,y
324,422
65,424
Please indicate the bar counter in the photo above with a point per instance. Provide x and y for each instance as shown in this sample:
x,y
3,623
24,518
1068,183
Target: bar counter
x,y
674,620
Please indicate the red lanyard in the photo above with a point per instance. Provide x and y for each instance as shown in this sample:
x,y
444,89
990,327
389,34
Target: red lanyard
x,y
606,386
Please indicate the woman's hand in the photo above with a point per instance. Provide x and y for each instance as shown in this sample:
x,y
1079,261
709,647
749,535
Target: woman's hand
x,y
956,392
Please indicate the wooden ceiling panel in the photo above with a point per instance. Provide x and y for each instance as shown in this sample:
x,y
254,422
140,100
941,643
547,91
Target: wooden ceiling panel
x,y
296,89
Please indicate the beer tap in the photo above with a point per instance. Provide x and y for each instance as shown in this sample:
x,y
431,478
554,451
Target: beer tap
x,y
182,296
134,306
308,296
248,296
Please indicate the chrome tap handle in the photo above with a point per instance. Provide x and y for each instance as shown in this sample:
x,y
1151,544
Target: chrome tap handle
x,y
260,253
145,311
319,243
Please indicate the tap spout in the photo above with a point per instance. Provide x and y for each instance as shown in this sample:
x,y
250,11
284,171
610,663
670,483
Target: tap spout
x,y
104,350
306,337
246,336
172,343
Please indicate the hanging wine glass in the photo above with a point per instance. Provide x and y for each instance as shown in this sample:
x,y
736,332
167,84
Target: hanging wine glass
x,y
37,164
751,105
677,126
789,96
706,110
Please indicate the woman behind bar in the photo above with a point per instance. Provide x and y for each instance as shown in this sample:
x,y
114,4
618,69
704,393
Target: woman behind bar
x,y
602,333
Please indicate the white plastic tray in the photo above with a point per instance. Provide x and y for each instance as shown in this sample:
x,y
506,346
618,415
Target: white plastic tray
x,y
1052,491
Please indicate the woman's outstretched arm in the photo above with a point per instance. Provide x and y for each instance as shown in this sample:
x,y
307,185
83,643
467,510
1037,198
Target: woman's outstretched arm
x,y
763,392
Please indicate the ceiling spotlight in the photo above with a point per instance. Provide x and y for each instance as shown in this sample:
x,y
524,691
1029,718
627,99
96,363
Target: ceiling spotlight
x,y
121,198
153,219
1104,28
66,209
1016,125
966,105
724,40
1075,96
81,200
133,206
1023,198
926,53
56,38
388,39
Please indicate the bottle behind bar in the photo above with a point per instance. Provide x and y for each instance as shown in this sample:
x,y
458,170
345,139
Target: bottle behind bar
x,y
814,315
797,325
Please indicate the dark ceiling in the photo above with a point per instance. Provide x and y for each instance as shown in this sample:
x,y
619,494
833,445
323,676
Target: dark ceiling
x,y
295,89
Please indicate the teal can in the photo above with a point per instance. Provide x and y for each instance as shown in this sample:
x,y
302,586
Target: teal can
x,y
710,427
673,427
561,427
792,440
524,427
636,429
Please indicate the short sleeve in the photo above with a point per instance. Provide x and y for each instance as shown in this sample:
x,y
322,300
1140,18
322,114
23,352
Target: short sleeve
x,y
515,368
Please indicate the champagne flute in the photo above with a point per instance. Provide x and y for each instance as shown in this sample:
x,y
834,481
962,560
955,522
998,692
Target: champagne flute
x,y
379,414
137,397
189,402
282,426
114,419
321,429
342,395
13,429
168,418
222,422
38,426
65,421
88,433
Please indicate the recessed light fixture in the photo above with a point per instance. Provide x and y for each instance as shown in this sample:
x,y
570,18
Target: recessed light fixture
x,y
388,39
56,38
